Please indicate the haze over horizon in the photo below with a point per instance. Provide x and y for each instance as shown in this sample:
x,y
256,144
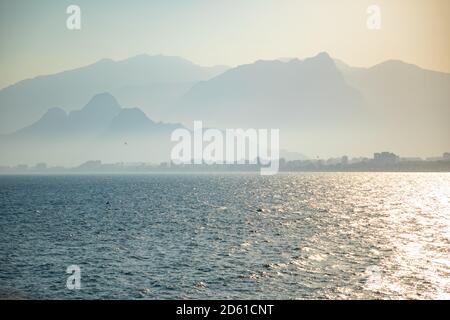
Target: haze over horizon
x,y
323,107
316,70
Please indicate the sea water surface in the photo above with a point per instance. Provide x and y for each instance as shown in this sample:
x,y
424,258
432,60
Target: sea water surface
x,y
223,236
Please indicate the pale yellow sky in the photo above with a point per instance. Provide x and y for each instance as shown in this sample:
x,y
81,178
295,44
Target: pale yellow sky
x,y
35,39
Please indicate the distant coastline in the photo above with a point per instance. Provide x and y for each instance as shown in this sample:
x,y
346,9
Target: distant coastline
x,y
382,162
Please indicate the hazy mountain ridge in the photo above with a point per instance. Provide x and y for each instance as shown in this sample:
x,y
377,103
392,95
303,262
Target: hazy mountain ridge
x,y
321,105
100,130
408,104
306,89
24,102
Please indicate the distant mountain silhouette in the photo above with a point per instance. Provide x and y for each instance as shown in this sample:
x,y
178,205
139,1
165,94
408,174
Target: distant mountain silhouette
x,y
322,106
100,130
92,119
308,100
293,94
53,122
409,106
96,115
132,122
148,81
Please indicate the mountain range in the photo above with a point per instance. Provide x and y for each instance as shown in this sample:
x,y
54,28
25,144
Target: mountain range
x,y
102,129
326,107
150,82
321,105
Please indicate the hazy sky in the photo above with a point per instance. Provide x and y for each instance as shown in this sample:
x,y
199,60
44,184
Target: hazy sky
x,y
35,40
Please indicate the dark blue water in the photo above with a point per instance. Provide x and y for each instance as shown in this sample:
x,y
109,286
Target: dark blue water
x,y
289,236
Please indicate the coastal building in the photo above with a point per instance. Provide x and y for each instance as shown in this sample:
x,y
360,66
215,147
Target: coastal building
x,y
385,157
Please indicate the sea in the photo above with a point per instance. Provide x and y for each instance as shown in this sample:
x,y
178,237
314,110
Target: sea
x,y
225,236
